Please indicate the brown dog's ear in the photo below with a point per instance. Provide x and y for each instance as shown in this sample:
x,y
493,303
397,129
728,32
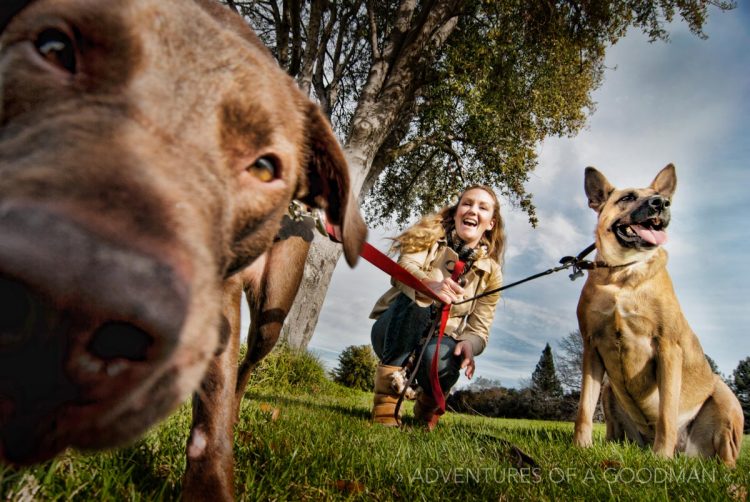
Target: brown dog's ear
x,y
329,186
597,188
665,182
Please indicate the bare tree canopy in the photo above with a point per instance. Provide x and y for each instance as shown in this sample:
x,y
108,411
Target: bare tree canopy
x,y
570,360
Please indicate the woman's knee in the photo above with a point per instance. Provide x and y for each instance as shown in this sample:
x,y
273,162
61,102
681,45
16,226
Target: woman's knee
x,y
448,366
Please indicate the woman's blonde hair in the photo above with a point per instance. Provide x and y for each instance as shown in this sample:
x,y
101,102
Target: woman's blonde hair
x,y
433,227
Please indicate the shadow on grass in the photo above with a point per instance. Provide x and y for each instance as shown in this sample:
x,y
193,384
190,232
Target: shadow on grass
x,y
307,403
155,478
515,456
537,433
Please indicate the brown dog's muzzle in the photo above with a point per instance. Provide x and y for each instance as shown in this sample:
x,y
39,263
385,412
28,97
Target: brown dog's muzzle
x,y
83,319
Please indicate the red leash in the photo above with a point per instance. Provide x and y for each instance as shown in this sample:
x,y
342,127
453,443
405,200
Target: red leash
x,y
437,391
390,267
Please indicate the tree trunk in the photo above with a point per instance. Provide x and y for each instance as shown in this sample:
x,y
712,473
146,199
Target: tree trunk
x,y
390,89
303,317
322,258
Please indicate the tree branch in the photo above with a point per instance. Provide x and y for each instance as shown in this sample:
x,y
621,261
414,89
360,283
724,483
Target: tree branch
x,y
312,46
373,25
283,25
295,17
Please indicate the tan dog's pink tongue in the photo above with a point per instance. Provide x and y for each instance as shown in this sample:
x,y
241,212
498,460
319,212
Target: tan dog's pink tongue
x,y
655,237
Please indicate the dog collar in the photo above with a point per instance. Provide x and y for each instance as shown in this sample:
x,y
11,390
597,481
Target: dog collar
x,y
10,9
592,265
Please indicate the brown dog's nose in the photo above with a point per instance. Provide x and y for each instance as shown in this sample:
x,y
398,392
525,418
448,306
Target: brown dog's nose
x,y
81,319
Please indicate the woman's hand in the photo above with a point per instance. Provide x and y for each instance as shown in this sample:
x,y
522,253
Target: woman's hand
x,y
448,290
464,351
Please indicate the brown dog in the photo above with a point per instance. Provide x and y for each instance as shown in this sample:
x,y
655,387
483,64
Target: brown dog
x,y
661,389
147,155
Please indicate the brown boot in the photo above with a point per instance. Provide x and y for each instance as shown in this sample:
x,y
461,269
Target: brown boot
x,y
426,410
384,408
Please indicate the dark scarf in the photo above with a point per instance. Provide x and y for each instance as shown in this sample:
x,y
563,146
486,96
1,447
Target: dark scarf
x,y
464,252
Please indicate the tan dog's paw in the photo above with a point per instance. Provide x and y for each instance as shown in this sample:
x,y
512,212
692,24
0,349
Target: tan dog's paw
x,y
663,450
582,437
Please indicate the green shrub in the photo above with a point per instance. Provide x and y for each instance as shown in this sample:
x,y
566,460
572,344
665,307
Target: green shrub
x,y
287,369
356,367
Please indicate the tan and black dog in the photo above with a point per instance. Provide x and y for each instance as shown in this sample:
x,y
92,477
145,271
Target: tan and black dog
x,y
661,390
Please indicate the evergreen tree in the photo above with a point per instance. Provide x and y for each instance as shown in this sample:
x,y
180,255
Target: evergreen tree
x,y
741,387
713,365
356,367
544,379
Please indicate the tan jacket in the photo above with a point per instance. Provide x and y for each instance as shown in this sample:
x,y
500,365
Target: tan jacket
x,y
469,321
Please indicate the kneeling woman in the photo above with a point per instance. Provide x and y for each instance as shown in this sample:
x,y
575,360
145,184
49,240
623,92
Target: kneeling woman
x,y
472,227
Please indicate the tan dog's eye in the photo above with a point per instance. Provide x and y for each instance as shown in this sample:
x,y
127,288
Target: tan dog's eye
x,y
56,47
264,168
627,198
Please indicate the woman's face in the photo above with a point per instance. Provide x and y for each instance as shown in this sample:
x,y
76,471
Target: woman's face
x,y
474,216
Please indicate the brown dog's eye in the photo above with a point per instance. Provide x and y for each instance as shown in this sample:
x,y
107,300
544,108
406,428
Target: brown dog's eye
x,y
265,169
627,198
56,47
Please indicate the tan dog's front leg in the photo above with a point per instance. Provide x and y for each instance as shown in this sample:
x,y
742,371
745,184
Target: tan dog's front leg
x,y
591,384
210,449
669,381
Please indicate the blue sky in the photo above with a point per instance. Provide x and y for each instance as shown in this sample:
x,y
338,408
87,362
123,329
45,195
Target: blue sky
x,y
685,102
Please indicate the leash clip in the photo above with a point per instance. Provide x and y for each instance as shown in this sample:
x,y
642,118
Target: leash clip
x,y
579,266
297,210
572,261
568,261
320,223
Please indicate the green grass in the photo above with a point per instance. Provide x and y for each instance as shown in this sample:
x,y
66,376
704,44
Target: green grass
x,y
314,441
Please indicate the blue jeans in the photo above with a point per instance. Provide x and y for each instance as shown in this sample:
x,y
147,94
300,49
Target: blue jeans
x,y
397,333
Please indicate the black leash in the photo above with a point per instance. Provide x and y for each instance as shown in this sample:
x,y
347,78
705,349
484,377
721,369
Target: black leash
x,y
413,370
577,262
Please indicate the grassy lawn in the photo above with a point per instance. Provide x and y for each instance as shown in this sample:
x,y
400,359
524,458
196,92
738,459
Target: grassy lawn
x,y
315,442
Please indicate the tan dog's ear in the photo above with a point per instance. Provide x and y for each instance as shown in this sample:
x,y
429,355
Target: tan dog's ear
x,y
665,182
329,186
597,188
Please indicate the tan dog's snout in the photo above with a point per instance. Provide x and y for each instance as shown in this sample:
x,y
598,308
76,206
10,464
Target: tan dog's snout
x,y
653,207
